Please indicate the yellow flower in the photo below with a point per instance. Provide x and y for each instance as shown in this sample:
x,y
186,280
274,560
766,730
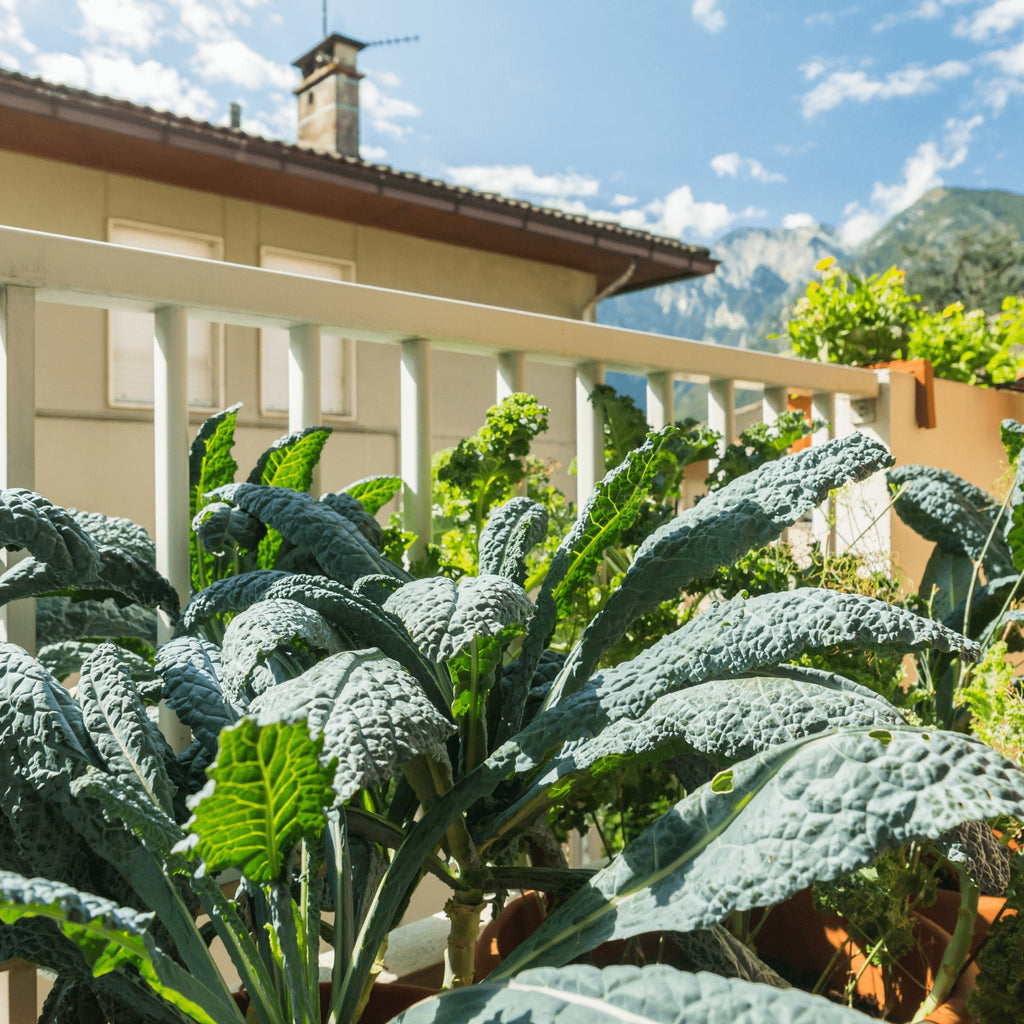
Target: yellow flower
x,y
953,307
824,264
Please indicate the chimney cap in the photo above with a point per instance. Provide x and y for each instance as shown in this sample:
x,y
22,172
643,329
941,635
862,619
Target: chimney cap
x,y
324,50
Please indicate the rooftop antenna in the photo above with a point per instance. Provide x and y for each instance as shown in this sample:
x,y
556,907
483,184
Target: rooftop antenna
x,y
390,42
325,19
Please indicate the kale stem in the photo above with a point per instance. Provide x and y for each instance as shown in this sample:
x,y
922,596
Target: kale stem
x,y
958,949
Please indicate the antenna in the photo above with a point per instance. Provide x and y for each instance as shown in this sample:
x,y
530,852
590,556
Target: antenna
x,y
325,19
390,42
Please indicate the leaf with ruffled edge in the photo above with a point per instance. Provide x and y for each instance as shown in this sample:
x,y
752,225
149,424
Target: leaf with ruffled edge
x,y
254,638
267,790
511,533
62,552
131,746
654,994
234,594
372,714
811,810
113,937
359,620
732,639
374,492
66,657
723,721
190,668
745,514
341,551
443,616
62,618
952,513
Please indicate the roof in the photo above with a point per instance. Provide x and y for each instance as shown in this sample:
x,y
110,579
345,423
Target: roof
x,y
72,125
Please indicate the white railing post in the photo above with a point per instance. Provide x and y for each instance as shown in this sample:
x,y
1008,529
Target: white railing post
x,y
304,387
774,403
170,448
722,413
415,442
18,422
823,408
511,378
661,400
589,432
18,993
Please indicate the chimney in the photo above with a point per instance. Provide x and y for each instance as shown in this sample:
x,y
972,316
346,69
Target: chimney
x,y
328,96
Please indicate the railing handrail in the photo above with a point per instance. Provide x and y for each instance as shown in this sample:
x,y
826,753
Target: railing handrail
x,y
84,272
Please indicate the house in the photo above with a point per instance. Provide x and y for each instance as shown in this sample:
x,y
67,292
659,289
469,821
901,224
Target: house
x,y
79,164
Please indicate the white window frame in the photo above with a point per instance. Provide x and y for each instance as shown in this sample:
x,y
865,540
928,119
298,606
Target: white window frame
x,y
216,244
348,345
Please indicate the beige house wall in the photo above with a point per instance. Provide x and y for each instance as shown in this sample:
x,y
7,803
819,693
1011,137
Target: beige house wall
x,y
97,457
964,441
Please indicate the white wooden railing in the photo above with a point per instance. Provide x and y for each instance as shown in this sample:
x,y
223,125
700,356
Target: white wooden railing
x,y
38,268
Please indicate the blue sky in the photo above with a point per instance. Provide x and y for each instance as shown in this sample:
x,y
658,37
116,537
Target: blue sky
x,y
686,118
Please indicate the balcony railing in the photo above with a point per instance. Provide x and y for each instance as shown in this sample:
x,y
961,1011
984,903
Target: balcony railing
x,y
40,268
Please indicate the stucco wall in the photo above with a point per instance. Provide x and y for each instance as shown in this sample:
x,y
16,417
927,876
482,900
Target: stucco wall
x,y
965,441
97,457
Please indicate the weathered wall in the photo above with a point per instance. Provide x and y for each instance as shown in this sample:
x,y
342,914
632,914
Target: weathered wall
x,y
94,456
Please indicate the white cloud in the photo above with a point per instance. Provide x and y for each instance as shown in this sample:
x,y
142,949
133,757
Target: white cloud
x,y
211,21
732,165
921,172
829,17
856,85
277,122
993,19
377,154
799,220
112,74
12,31
230,60
522,180
813,69
623,200
680,214
1010,61
129,23
997,93
708,15
386,113
927,10
726,164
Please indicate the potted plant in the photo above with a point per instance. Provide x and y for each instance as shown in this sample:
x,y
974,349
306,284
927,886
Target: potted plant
x,y
351,712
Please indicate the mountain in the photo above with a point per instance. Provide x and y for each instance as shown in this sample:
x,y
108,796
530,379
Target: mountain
x,y
763,272
936,218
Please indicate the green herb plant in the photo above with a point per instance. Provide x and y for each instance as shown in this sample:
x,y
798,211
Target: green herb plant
x,y
861,321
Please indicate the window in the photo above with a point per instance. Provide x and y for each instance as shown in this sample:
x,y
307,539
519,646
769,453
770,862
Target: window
x,y
337,355
130,335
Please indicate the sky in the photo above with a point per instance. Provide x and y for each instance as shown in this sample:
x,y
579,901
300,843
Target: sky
x,y
685,118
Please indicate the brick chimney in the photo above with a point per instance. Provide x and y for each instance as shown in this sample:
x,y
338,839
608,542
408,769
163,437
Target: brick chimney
x,y
328,96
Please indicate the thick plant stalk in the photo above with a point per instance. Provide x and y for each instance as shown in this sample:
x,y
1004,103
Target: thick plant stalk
x,y
958,949
463,910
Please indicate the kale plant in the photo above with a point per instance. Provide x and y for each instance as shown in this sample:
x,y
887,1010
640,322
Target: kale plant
x,y
359,729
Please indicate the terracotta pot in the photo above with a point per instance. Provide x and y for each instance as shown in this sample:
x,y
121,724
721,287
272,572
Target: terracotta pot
x,y
924,388
518,920
387,1000
796,938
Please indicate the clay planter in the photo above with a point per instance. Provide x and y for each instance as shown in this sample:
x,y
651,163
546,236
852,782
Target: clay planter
x,y
798,941
386,1001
